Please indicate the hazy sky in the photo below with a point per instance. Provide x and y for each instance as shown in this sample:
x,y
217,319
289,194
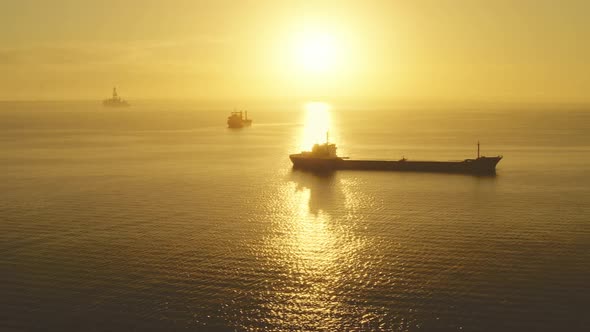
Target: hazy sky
x,y
464,50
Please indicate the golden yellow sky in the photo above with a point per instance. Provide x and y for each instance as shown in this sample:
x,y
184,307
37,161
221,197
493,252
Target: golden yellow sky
x,y
463,50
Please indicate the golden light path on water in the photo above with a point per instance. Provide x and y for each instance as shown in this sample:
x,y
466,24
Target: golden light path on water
x,y
317,123
315,245
313,251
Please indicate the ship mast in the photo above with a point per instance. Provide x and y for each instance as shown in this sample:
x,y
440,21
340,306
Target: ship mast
x,y
114,92
477,149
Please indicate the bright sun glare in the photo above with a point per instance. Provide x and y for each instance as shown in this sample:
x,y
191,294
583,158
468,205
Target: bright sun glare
x,y
317,124
317,52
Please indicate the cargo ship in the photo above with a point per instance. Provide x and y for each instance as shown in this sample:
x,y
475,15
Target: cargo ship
x,y
323,157
238,120
115,101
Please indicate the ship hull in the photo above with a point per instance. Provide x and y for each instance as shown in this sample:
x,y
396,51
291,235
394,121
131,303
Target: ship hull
x,y
483,165
239,123
110,103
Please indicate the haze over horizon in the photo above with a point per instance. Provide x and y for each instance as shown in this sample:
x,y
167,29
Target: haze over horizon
x,y
501,51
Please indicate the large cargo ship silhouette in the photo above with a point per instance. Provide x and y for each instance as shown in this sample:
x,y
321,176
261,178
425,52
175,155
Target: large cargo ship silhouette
x,y
323,157
237,120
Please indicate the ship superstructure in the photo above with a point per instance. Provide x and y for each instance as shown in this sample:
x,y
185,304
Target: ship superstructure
x,y
115,100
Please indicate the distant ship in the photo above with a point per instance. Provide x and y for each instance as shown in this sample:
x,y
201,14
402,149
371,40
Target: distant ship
x,y
237,120
323,157
115,101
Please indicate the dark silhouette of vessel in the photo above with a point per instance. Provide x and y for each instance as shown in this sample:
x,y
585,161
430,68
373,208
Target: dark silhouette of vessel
x,y
238,120
115,101
323,157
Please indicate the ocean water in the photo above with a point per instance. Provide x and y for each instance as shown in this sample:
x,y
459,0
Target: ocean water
x,y
157,217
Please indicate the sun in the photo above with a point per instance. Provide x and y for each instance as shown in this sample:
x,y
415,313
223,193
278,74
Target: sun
x,y
316,59
317,52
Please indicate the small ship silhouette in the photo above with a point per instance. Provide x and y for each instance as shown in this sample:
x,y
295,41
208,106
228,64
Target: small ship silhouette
x,y
237,120
115,101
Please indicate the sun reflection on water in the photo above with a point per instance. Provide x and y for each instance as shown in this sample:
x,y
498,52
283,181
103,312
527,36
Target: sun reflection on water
x,y
313,247
317,124
311,251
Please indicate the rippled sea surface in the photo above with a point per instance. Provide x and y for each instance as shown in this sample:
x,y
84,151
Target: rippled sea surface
x,y
157,217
